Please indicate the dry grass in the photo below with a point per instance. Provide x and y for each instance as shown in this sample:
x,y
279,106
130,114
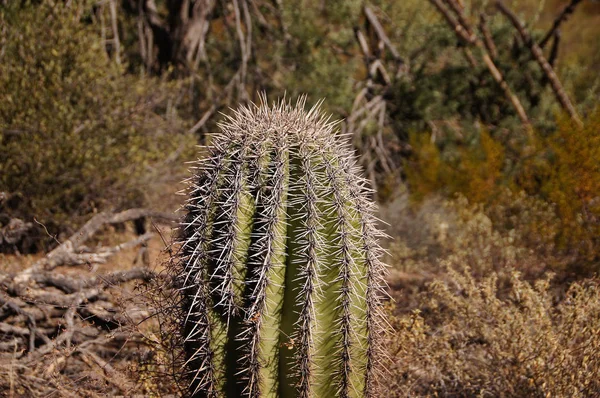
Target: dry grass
x,y
477,313
475,339
478,310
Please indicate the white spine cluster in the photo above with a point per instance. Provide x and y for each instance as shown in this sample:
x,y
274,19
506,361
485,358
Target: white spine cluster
x,y
279,265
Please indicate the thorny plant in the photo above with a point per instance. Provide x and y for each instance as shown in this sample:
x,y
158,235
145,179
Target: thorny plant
x,y
278,269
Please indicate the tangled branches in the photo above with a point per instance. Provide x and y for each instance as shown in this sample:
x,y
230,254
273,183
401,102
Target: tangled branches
x,y
58,327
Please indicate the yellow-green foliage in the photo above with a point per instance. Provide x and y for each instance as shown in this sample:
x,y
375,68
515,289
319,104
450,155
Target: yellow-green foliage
x,y
474,170
564,170
498,339
561,169
573,183
76,133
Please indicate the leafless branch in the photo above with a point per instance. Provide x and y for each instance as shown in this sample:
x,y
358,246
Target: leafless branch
x,y
565,13
554,49
537,53
372,18
70,253
464,33
460,30
459,11
115,28
488,40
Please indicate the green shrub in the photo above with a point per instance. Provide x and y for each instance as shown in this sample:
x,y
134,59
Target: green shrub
x,y
76,133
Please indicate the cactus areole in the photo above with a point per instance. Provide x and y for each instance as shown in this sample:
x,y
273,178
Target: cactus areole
x,y
278,265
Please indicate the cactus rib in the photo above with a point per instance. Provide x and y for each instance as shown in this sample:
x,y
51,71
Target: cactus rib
x,y
279,271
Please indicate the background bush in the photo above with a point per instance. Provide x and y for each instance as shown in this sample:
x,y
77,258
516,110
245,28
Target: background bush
x,y
77,134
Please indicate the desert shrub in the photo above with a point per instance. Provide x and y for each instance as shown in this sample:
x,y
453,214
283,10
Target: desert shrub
x,y
76,133
560,169
437,232
518,231
566,171
320,48
474,170
475,339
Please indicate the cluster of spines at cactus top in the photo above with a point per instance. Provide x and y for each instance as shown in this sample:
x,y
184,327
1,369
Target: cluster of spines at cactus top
x,y
279,267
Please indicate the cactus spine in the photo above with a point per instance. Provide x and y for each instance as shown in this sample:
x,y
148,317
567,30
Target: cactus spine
x,y
279,268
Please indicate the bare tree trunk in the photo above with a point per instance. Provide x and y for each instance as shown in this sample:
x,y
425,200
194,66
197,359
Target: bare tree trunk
x,y
115,28
189,22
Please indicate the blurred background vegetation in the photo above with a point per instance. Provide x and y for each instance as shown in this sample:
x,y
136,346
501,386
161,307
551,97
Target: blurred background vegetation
x,y
477,123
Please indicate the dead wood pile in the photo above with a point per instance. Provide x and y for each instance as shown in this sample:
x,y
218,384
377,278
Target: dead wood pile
x,y
64,324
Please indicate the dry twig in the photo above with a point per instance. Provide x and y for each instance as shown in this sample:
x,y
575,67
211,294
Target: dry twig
x,y
566,12
52,322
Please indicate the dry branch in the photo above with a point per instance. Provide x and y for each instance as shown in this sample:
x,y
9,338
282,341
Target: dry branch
x,y
460,30
566,12
115,29
458,10
71,252
55,325
364,46
369,107
14,231
488,40
554,49
112,376
190,25
537,53
372,18
464,34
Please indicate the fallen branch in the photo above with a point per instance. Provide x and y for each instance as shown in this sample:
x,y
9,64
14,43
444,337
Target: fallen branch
x,y
71,252
14,231
54,325
70,285
110,375
10,306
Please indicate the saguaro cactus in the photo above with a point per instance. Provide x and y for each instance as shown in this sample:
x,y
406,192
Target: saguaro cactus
x,y
279,266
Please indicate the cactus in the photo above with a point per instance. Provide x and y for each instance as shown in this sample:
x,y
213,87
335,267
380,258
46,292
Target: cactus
x,y
278,267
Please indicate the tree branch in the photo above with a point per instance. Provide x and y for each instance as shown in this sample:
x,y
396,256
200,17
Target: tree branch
x,y
566,12
536,51
372,18
463,33
68,253
488,40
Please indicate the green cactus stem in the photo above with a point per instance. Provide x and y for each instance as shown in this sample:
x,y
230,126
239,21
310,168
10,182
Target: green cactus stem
x,y
278,267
